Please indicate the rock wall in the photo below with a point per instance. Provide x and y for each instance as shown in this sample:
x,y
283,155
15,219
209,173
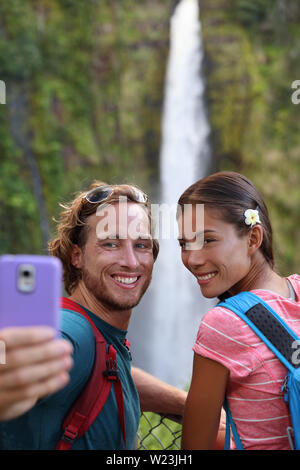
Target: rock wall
x,y
85,83
251,60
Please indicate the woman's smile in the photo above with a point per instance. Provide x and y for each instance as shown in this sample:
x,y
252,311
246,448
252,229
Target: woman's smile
x,y
205,278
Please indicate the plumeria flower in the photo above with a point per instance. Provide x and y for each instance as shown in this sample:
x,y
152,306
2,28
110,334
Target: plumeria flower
x,y
251,217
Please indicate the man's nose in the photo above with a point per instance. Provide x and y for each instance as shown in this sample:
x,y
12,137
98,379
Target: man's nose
x,y
128,256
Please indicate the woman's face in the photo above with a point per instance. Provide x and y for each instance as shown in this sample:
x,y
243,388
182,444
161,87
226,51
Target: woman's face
x,y
217,256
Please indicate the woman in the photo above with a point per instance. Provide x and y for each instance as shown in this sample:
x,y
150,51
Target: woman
x,y
229,359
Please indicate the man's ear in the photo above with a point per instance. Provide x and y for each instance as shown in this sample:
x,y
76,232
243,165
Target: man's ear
x,y
255,238
76,257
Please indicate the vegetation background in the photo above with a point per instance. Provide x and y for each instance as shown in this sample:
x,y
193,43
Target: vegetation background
x,y
84,94
85,87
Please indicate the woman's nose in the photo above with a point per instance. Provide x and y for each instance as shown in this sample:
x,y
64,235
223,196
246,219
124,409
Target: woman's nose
x,y
194,258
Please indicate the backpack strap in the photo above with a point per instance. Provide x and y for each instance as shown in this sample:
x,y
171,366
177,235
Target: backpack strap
x,y
266,323
231,425
271,329
93,397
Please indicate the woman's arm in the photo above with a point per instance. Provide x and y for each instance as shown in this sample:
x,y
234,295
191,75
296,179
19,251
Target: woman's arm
x,y
204,405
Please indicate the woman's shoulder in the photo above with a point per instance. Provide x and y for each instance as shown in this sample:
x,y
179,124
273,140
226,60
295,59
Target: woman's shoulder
x,y
222,320
222,323
275,298
219,312
295,281
295,277
225,338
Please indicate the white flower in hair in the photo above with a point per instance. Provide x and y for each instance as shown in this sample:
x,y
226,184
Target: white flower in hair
x,y
251,217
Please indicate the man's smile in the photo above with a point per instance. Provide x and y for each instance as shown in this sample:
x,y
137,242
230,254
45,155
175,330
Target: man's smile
x,y
127,281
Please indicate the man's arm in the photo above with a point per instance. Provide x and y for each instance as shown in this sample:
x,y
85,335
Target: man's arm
x,y
35,365
158,396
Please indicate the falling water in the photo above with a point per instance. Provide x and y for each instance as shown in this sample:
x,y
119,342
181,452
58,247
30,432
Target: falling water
x,y
164,325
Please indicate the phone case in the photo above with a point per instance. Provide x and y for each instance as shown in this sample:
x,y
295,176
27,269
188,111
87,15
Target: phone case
x,y
30,291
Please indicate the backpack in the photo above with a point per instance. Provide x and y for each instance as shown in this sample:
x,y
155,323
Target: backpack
x,y
95,393
283,342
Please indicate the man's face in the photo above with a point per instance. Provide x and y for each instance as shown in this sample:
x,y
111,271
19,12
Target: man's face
x,y
117,259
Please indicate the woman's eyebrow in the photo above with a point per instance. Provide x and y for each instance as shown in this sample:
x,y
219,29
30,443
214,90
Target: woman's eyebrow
x,y
197,234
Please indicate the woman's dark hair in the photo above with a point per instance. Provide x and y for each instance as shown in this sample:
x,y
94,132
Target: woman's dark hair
x,y
232,194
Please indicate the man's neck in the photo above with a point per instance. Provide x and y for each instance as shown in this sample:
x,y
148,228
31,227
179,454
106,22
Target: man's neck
x,y
118,319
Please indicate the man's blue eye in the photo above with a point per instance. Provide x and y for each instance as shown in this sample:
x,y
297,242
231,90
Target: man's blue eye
x,y
143,245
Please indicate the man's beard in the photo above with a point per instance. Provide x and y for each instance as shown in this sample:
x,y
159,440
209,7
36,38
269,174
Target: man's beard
x,y
102,294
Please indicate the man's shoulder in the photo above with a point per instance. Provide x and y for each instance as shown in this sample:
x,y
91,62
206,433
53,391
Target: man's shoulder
x,y
77,329
73,320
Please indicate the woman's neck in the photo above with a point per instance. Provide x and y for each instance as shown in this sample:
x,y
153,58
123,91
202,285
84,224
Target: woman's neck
x,y
262,276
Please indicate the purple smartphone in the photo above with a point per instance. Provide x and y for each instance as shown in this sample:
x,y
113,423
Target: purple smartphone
x,y
30,291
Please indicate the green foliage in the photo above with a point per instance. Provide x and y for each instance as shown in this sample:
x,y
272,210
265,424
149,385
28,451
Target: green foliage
x,y
90,75
253,12
252,53
19,50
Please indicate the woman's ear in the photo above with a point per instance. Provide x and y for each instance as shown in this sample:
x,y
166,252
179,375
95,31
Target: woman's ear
x,y
76,257
255,238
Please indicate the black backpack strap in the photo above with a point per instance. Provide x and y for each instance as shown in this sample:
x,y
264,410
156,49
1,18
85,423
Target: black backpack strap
x,y
267,324
272,329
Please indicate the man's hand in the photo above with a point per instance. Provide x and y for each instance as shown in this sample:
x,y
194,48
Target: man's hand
x,y
36,365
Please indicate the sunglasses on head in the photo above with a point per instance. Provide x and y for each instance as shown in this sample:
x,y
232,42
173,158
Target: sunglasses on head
x,y
101,193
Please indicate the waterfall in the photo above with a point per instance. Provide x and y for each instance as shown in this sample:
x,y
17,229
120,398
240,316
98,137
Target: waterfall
x,y
164,325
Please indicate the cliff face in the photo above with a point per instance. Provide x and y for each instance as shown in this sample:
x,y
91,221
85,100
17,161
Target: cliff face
x,y
251,60
84,85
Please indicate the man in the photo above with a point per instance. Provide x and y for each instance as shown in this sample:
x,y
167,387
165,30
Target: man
x,y
105,245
